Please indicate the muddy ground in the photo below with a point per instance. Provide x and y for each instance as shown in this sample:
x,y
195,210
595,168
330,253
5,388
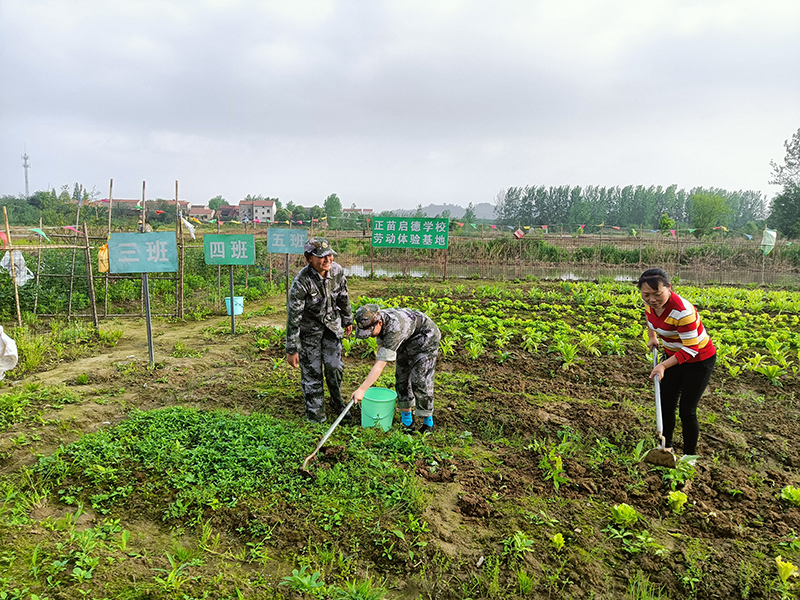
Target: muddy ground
x,y
726,539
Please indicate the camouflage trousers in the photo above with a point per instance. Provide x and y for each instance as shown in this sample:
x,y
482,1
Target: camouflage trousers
x,y
321,357
416,363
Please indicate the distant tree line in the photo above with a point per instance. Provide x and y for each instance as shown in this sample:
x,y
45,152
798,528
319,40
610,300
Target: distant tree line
x,y
630,206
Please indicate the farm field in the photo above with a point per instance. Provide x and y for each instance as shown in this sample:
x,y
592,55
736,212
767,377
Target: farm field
x,y
182,481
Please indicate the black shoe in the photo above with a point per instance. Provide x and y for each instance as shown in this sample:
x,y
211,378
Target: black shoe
x,y
408,429
426,429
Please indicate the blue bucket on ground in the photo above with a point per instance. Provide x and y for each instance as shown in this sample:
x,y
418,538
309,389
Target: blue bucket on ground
x,y
377,408
238,304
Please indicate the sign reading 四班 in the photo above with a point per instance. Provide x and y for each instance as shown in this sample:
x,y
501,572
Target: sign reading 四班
x,y
221,249
410,232
286,241
155,252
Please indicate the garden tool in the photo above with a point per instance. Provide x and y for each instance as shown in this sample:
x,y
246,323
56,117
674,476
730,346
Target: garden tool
x,y
304,469
659,456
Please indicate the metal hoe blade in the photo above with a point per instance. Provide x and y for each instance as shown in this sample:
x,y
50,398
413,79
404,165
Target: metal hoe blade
x,y
304,469
659,456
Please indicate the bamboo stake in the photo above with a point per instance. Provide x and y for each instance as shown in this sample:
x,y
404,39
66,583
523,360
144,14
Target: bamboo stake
x,y
90,276
181,256
38,270
108,237
13,268
75,242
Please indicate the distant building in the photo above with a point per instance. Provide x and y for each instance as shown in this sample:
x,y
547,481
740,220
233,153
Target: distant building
x,y
201,213
261,210
228,212
357,211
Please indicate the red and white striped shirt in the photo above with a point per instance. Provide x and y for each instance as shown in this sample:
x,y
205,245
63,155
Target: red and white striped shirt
x,y
681,330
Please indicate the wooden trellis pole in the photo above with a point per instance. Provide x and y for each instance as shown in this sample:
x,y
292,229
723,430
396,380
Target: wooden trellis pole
x,y
13,269
38,270
90,276
181,255
108,237
74,250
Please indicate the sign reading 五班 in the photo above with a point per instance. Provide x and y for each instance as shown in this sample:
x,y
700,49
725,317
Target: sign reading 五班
x,y
155,252
286,241
410,232
221,249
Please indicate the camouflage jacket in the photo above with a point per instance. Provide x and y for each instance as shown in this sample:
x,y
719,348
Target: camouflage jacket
x,y
399,326
315,304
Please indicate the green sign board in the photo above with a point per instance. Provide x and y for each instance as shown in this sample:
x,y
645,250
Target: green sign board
x,y
155,252
410,232
286,241
223,249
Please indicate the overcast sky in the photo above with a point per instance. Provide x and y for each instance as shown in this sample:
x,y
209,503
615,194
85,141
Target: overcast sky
x,y
391,104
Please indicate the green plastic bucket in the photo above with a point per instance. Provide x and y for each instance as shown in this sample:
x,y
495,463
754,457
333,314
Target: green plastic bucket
x,y
377,408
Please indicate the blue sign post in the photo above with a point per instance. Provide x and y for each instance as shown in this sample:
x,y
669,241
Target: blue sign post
x,y
155,252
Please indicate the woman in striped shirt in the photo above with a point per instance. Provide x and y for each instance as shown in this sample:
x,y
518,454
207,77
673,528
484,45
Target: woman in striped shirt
x,y
689,355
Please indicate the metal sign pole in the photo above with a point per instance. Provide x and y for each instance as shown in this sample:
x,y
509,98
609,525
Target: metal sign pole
x,y
233,308
146,293
287,280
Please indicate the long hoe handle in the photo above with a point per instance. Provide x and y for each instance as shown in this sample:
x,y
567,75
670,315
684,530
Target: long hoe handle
x,y
328,434
659,416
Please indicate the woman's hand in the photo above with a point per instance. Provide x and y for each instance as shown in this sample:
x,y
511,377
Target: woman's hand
x,y
659,370
652,342
357,396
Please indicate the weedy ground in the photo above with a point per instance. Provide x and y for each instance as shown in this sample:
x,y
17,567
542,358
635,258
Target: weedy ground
x,y
119,479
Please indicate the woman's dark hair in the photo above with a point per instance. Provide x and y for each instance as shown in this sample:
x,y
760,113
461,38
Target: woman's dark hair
x,y
653,278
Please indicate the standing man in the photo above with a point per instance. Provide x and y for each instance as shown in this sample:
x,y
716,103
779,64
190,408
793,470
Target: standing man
x,y
412,339
318,315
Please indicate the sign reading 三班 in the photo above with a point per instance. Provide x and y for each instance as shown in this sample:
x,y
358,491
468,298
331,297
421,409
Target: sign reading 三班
x,y
286,241
155,252
410,232
221,249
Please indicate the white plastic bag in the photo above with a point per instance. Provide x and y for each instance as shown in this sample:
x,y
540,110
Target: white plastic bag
x,y
23,273
8,353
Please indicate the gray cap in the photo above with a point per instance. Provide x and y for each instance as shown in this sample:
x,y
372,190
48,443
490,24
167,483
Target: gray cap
x,y
366,318
319,247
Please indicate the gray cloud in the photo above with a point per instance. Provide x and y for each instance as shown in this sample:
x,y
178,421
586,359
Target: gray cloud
x,y
395,103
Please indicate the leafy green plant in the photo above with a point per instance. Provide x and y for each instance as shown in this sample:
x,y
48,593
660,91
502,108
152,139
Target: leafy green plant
x,y
359,590
791,495
447,347
589,341
558,542
474,349
624,515
771,372
517,545
552,468
301,581
567,351
676,500
786,570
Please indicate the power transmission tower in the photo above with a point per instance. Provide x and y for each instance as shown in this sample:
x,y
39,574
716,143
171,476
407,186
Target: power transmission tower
x,y
26,166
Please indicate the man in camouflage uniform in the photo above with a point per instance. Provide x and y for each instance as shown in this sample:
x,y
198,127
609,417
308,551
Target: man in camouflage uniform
x,y
318,315
412,339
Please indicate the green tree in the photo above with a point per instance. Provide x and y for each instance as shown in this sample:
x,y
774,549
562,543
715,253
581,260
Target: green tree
x,y
281,214
299,213
707,211
785,211
665,223
333,206
469,214
789,171
216,202
316,212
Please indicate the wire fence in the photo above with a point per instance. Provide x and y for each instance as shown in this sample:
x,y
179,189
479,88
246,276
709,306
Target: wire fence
x,y
63,280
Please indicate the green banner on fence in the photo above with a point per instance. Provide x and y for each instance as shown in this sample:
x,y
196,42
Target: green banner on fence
x,y
223,249
410,232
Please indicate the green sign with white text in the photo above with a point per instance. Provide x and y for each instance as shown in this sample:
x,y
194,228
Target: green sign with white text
x,y
410,232
223,249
